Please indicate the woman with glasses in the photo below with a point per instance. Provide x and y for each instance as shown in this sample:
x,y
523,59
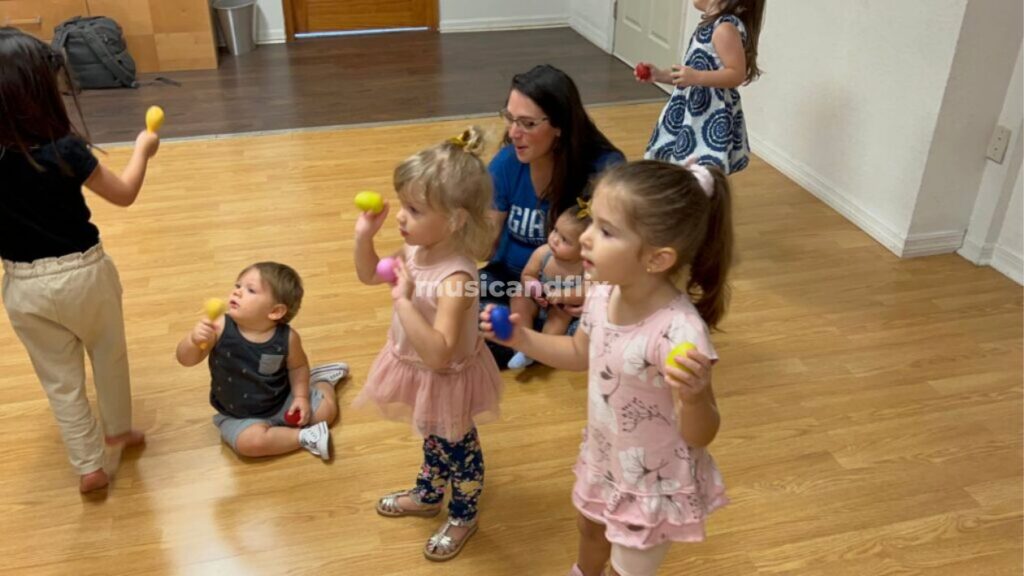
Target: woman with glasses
x,y
552,150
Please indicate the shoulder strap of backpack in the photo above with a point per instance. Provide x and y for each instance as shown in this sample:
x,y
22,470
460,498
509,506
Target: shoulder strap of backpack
x,y
60,38
92,39
61,33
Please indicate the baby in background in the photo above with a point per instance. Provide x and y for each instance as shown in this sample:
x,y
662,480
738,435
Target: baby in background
x,y
553,279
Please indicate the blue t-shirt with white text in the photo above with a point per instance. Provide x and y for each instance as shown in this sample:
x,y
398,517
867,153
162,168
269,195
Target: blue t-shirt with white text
x,y
514,194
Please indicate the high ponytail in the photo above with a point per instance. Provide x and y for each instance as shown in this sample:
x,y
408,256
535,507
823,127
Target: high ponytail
x,y
709,271
685,208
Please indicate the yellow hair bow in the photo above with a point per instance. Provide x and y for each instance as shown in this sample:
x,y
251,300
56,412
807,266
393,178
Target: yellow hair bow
x,y
584,208
461,140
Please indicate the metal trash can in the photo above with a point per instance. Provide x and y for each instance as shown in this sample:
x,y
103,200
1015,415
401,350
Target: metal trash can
x,y
237,20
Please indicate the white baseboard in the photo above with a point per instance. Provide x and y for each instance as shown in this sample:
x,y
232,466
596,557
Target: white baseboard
x,y
932,243
1005,261
829,194
980,254
1010,264
597,37
516,23
278,36
272,36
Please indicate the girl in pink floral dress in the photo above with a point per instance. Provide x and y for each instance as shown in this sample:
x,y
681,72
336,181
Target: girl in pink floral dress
x,y
644,478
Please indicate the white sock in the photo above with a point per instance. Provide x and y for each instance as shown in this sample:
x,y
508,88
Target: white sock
x,y
520,360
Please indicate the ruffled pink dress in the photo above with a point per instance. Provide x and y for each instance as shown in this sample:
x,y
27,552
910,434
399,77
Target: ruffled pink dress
x,y
447,402
635,473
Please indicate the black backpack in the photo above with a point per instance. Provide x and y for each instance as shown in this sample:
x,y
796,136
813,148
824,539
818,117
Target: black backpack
x,y
96,52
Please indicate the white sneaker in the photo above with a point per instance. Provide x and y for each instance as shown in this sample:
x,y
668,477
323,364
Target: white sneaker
x,y
520,360
316,439
331,373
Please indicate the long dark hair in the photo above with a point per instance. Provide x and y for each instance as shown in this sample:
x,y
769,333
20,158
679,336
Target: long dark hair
x,y
32,110
751,13
580,143
666,205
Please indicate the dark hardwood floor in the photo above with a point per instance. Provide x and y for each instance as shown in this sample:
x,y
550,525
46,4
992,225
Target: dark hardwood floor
x,y
359,79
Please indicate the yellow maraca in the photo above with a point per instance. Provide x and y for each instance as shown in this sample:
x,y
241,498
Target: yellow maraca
x,y
154,118
679,350
368,201
214,308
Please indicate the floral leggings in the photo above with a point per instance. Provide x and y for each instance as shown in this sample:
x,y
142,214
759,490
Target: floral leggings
x,y
460,462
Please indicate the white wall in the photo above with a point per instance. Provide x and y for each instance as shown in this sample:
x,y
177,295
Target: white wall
x,y
991,220
849,100
466,15
270,22
986,51
1007,257
594,21
883,109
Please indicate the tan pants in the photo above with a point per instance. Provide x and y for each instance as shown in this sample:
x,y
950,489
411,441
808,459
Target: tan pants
x,y
60,308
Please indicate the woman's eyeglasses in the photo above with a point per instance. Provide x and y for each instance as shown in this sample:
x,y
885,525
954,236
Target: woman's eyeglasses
x,y
525,123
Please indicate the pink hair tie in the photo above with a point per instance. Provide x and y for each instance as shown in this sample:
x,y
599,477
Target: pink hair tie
x,y
703,175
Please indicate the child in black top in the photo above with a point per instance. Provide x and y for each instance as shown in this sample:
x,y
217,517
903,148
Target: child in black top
x,y
61,291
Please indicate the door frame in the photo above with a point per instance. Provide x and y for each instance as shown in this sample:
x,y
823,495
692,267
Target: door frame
x,y
289,18
289,21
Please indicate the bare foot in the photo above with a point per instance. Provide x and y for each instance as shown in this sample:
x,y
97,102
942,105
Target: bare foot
x,y
128,439
93,481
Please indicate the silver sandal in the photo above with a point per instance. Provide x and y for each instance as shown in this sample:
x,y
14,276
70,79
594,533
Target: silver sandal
x,y
441,547
389,506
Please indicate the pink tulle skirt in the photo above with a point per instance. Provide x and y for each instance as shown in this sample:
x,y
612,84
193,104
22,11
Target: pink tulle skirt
x,y
446,403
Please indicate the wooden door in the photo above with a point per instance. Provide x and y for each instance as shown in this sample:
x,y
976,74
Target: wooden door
x,y
40,17
649,31
318,16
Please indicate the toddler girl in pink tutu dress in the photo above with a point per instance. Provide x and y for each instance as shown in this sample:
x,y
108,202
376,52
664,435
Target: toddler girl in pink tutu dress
x,y
435,370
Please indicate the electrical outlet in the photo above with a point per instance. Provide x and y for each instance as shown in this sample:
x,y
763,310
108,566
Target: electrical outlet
x,y
997,145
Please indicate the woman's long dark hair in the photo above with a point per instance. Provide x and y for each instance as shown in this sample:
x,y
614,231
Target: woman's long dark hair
x,y
580,143
751,13
32,110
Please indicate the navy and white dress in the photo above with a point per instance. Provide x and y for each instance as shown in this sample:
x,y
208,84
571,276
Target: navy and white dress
x,y
702,121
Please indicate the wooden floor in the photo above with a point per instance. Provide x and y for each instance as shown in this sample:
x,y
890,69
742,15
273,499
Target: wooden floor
x,y
359,79
871,406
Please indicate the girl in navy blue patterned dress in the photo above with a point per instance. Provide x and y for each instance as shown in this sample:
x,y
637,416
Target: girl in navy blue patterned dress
x,y
704,117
